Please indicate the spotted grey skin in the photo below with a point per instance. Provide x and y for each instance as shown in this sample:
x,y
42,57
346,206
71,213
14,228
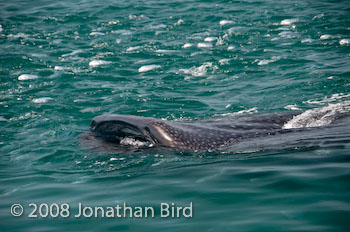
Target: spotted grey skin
x,y
110,130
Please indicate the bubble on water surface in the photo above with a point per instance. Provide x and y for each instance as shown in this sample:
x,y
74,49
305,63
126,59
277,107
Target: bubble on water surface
x,y
324,37
286,22
147,68
25,77
210,39
42,99
225,22
187,45
96,63
344,42
96,33
204,45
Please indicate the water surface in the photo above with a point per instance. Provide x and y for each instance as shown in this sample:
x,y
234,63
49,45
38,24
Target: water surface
x,y
63,62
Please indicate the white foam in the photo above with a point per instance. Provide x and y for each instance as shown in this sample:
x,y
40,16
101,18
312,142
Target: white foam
x,y
197,53
292,107
187,45
96,63
123,32
141,61
179,22
224,61
113,22
199,35
198,71
25,77
18,35
91,110
318,117
60,68
97,33
204,45
164,51
219,41
231,48
147,68
135,143
39,55
117,159
131,49
225,22
324,37
318,16
334,97
72,53
288,34
283,29
248,111
344,42
131,17
286,22
266,61
42,99
159,26
0,28
307,40
235,30
210,39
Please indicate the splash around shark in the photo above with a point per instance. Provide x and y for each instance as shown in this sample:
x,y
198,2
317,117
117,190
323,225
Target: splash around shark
x,y
117,133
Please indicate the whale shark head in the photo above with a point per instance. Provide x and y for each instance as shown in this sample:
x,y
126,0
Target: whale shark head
x,y
127,130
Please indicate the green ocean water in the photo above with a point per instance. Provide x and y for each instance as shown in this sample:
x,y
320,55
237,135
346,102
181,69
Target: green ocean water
x,y
64,62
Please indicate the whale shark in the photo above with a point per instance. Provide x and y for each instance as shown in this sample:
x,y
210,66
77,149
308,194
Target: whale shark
x,y
118,133
126,133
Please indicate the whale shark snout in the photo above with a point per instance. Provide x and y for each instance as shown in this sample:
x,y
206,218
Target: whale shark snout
x,y
116,128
